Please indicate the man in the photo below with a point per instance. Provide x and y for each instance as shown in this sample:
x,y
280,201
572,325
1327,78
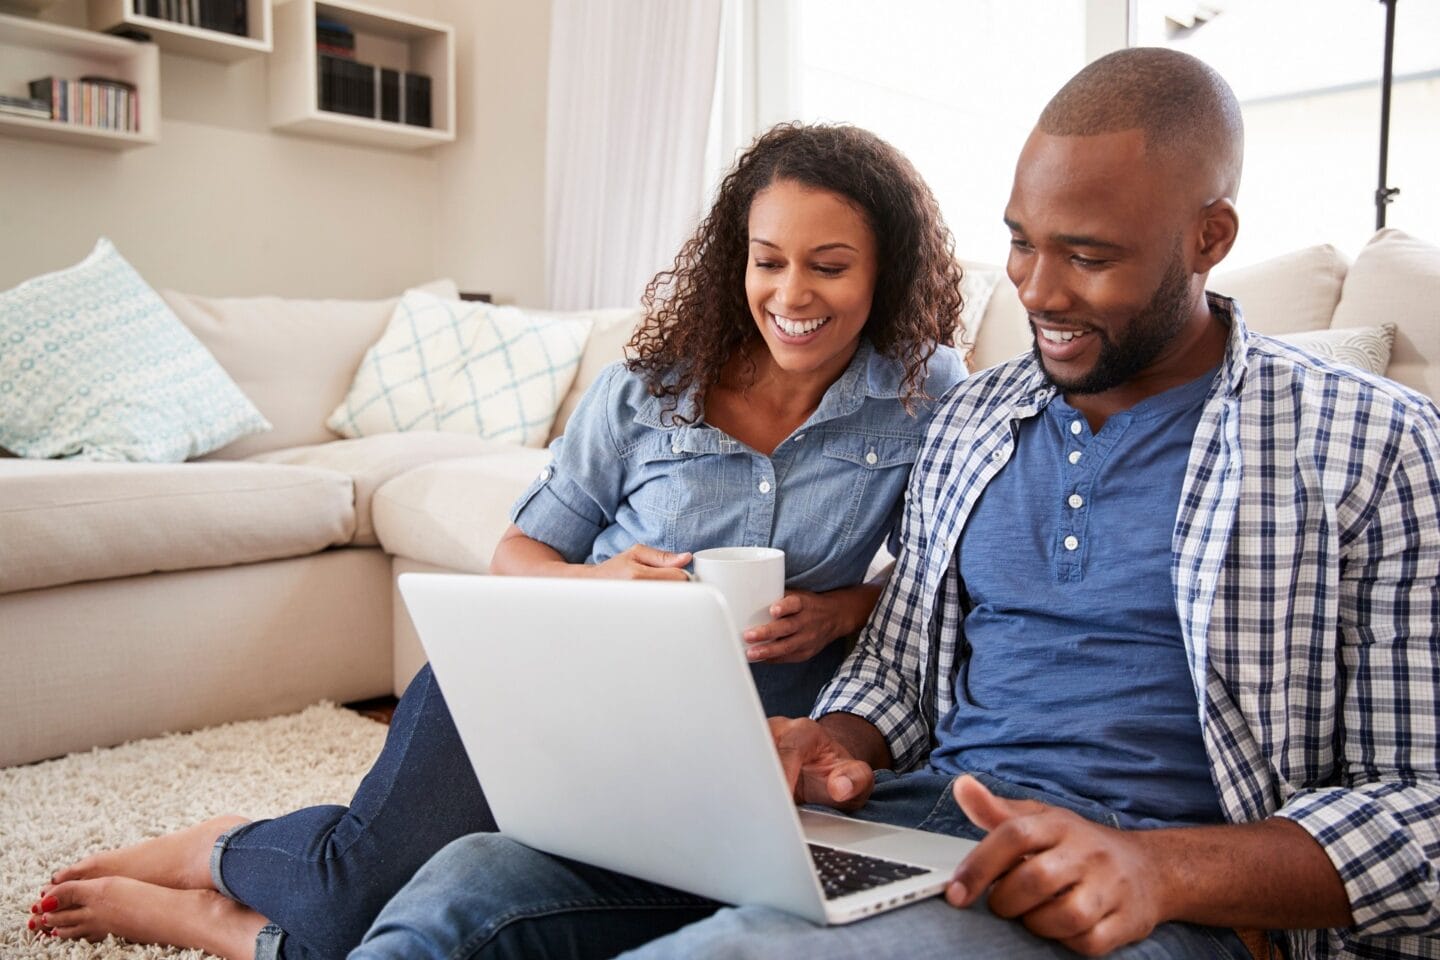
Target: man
x,y
1163,628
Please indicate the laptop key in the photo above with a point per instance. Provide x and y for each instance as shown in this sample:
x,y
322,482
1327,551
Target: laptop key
x,y
843,871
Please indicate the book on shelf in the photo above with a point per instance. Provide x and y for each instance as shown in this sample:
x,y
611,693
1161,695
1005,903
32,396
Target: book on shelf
x,y
105,103
377,93
390,95
416,98
226,16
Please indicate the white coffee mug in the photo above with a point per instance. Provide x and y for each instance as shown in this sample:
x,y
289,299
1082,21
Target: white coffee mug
x,y
749,578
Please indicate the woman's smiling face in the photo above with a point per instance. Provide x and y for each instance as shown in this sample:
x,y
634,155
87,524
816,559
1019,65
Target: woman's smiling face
x,y
810,276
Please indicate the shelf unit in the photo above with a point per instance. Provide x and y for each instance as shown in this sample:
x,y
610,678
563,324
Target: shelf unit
x,y
33,6
387,39
32,49
182,38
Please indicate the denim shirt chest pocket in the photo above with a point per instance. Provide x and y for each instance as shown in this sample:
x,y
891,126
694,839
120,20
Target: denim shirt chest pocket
x,y
678,476
862,475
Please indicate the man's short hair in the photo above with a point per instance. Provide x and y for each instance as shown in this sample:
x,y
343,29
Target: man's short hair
x,y
1183,107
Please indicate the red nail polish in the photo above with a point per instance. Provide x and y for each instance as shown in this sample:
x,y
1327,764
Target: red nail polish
x,y
30,923
34,908
49,903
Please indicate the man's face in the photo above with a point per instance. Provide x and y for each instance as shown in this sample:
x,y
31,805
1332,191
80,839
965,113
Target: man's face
x,y
1096,254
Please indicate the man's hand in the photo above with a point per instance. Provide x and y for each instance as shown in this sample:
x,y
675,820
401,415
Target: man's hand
x,y
818,768
1090,887
642,563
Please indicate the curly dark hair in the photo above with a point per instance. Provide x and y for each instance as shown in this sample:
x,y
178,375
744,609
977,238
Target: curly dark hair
x,y
697,314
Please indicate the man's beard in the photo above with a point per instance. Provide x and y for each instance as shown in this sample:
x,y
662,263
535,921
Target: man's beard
x,y
1150,331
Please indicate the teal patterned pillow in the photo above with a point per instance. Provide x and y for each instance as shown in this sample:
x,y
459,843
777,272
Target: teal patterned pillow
x,y
94,366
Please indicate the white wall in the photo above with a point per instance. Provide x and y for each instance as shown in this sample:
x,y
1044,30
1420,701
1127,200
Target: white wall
x,y
224,206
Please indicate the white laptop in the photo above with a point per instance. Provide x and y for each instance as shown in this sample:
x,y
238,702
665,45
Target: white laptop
x,y
615,723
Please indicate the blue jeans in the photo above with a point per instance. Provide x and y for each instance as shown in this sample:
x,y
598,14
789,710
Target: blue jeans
x,y
486,896
320,875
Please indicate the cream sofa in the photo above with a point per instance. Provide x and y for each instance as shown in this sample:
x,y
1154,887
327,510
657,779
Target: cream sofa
x,y
136,599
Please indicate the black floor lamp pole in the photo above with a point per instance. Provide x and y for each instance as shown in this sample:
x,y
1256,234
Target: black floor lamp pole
x,y
1384,194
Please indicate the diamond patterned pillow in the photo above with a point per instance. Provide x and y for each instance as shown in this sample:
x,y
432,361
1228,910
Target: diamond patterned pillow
x,y
498,372
94,366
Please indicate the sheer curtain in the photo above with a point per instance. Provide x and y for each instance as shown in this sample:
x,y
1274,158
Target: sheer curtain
x,y
631,88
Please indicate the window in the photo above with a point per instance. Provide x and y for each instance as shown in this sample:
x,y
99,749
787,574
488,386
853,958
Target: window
x,y
958,86
1307,74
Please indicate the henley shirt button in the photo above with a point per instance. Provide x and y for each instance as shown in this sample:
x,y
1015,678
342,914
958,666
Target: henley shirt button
x,y
870,458
1075,427
1074,456
1076,501
1071,543
764,486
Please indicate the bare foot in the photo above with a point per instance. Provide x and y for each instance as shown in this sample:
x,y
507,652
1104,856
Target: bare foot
x,y
146,913
180,860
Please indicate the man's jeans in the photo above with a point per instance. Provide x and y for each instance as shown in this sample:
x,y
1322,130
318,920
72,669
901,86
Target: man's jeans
x,y
486,896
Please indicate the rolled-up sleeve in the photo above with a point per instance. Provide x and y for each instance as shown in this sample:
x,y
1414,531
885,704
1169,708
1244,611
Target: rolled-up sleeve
x,y
1381,825
575,497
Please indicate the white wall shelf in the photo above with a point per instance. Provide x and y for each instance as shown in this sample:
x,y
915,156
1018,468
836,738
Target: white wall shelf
x,y
185,39
385,39
34,49
33,6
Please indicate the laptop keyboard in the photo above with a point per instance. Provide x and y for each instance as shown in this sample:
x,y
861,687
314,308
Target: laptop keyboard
x,y
842,871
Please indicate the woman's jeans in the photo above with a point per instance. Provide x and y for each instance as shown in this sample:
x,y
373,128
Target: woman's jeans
x,y
320,875
489,897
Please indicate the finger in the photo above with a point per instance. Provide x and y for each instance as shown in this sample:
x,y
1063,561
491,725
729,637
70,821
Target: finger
x,y
1071,914
787,606
792,756
640,571
1004,848
1112,931
1036,881
652,557
787,652
847,785
772,631
986,810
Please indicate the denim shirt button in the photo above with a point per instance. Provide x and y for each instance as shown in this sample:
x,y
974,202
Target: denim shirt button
x,y
764,486
870,458
545,474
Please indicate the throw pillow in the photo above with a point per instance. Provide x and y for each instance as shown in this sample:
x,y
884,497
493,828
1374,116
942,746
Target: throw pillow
x,y
498,372
1366,348
95,366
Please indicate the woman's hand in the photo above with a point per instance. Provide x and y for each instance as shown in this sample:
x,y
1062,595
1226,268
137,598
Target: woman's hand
x,y
642,563
806,623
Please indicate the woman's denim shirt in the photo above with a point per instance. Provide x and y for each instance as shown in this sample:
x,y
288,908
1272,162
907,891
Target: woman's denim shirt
x,y
625,473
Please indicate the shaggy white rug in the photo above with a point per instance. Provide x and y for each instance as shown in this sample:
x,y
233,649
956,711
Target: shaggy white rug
x,y
55,812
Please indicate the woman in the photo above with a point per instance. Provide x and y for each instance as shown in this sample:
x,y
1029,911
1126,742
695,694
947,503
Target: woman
x,y
776,395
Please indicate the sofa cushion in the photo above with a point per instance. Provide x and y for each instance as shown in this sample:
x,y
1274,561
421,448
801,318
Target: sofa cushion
x,y
497,372
64,522
452,514
1291,293
294,359
370,462
1396,279
95,366
610,331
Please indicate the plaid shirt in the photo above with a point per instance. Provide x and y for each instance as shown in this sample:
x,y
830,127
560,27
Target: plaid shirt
x,y
1306,568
